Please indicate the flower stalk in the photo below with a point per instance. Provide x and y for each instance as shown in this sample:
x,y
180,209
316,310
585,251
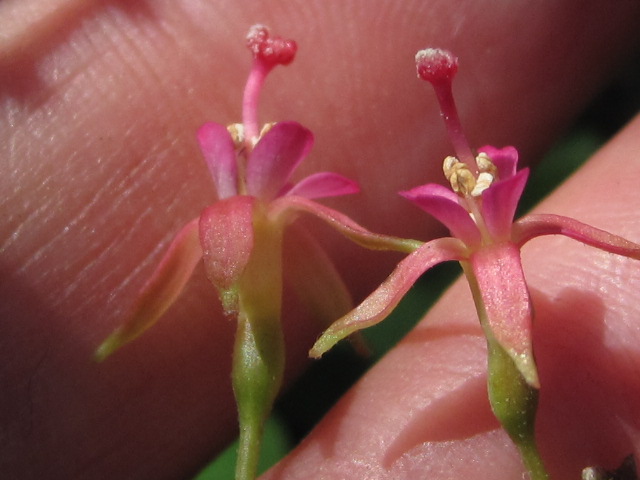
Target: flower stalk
x,y
514,403
513,399
258,358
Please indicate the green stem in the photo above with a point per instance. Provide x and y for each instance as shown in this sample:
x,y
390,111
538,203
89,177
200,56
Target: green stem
x,y
257,375
258,360
514,401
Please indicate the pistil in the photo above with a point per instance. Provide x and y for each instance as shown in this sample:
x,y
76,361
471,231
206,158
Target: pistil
x,y
252,90
267,53
438,67
468,175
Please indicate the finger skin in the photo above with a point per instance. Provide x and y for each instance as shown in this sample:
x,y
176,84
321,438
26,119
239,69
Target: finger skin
x,y
100,105
422,411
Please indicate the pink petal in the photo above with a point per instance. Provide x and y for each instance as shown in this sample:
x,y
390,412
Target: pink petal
x,y
275,157
499,203
506,306
283,208
442,203
535,225
160,291
226,235
506,159
324,184
377,306
220,155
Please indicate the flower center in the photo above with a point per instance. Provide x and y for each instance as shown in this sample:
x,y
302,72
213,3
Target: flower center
x,y
237,132
462,179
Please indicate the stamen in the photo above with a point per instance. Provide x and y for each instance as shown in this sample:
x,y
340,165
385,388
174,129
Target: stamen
x,y
488,174
267,53
460,177
463,181
438,67
484,163
448,165
236,130
266,127
484,181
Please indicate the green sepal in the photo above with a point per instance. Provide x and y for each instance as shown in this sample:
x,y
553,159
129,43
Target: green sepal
x,y
258,358
514,403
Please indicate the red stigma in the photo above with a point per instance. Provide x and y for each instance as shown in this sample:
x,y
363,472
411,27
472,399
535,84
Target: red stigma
x,y
271,50
435,65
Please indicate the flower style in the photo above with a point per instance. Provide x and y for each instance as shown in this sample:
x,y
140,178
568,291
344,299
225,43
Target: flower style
x,y
478,210
239,238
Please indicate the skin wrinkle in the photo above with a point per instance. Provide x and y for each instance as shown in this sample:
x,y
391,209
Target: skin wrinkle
x,y
27,28
37,28
446,418
96,200
192,332
25,24
111,282
138,70
137,56
63,230
51,208
583,400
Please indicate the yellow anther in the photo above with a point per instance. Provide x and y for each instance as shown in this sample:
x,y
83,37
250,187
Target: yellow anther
x,y
463,181
448,165
266,127
236,130
486,165
487,174
460,177
484,181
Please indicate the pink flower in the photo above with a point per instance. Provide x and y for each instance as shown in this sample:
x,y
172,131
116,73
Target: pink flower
x,y
478,210
226,227
239,238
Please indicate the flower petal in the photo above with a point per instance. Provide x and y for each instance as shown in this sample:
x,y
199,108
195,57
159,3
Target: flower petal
x,y
324,184
226,235
506,159
442,203
281,209
499,203
160,291
220,155
505,310
535,225
275,157
377,306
